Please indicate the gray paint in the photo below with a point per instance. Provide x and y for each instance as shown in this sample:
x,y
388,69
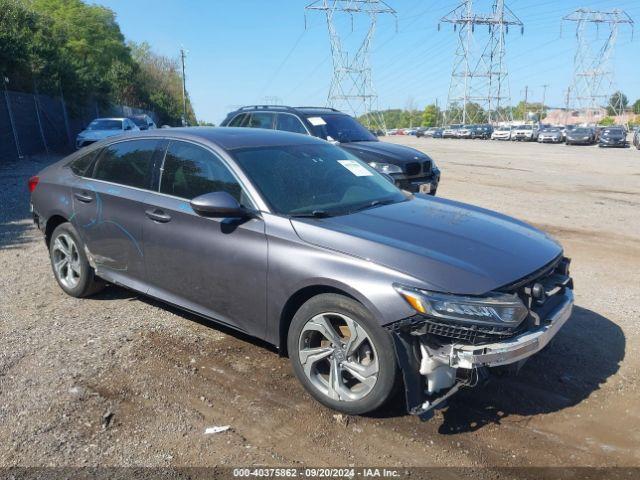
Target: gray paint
x,y
242,272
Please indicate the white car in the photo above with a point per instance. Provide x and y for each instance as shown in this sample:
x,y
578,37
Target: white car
x,y
102,128
501,133
526,133
143,122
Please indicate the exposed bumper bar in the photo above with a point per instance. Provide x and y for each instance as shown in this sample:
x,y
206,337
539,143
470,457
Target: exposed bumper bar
x,y
513,349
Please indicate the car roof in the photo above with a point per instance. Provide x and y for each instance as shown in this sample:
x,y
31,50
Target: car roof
x,y
305,110
231,138
110,118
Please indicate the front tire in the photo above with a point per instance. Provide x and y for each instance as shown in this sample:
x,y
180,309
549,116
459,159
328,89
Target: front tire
x,y
70,265
342,357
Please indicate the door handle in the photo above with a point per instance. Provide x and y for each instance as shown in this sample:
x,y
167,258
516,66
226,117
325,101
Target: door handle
x,y
157,215
83,197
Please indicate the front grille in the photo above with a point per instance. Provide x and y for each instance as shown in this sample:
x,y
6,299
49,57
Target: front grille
x,y
412,168
471,334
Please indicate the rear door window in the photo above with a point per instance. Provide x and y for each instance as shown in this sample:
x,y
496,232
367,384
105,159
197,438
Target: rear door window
x,y
260,120
127,163
289,123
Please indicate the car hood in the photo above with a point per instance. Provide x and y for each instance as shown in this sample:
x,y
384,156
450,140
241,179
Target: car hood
x,y
99,134
449,246
578,135
615,136
371,151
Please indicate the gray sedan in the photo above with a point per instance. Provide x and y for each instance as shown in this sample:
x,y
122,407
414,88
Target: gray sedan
x,y
294,240
550,135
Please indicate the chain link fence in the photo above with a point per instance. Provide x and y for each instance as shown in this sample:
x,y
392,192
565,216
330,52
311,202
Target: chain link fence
x,y
32,124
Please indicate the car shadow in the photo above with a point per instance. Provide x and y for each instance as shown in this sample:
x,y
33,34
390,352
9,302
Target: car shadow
x,y
114,292
585,353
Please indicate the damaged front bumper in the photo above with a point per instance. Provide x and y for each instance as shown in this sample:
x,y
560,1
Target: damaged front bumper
x,y
433,373
514,349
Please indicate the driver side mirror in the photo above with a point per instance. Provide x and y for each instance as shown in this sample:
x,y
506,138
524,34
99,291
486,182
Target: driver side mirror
x,y
218,205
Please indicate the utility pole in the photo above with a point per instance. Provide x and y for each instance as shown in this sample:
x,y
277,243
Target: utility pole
x,y
543,108
526,98
479,77
566,106
183,55
593,76
352,86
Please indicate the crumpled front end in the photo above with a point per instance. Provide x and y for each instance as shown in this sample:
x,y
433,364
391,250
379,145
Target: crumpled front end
x,y
438,357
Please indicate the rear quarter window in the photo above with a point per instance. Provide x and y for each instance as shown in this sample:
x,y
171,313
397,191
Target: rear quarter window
x,y
80,166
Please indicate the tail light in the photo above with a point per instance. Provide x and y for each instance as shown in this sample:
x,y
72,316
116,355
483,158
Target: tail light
x,y
33,183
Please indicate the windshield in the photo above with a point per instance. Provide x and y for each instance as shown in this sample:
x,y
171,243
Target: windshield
x,y
139,121
612,131
101,124
525,127
551,130
340,127
582,130
319,180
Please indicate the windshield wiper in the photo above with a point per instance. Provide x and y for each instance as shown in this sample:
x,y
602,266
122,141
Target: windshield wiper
x,y
375,203
314,214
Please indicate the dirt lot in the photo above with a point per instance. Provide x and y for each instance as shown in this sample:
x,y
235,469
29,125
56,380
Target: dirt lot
x,y
122,380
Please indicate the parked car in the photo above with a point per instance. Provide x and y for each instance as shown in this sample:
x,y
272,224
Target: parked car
x,y
501,133
581,136
636,138
102,128
410,169
410,131
550,134
451,131
296,241
524,133
466,131
482,131
613,137
143,122
422,132
437,133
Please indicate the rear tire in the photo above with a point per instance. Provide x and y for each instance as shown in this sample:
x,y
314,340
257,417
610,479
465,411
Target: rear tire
x,y
342,357
70,265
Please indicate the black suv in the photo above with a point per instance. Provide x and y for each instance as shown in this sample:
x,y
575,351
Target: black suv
x,y
410,169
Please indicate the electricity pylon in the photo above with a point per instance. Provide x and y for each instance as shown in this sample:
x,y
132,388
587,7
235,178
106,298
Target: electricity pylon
x,y
593,75
351,85
479,89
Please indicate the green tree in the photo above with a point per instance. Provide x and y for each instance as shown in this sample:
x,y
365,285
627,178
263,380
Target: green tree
x,y
430,116
636,107
617,104
607,121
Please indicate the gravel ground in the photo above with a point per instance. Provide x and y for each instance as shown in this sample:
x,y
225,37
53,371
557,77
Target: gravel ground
x,y
121,380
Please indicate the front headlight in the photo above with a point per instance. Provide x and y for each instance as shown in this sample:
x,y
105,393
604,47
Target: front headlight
x,y
496,308
385,167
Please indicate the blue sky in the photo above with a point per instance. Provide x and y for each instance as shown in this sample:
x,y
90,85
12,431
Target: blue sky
x,y
242,51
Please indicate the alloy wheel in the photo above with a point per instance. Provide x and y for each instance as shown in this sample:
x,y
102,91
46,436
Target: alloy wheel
x,y
338,357
66,260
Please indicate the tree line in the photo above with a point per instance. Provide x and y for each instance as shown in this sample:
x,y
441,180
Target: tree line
x,y
72,49
433,116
